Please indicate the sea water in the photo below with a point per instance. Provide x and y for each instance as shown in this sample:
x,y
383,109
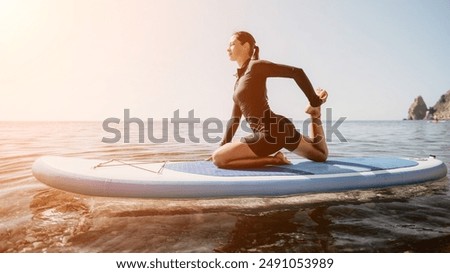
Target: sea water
x,y
37,218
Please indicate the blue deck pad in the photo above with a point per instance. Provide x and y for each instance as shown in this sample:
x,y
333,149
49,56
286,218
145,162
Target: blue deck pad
x,y
303,167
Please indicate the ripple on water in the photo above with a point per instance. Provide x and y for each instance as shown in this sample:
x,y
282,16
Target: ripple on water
x,y
35,218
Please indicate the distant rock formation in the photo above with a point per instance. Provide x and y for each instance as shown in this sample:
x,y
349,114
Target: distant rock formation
x,y
418,109
441,110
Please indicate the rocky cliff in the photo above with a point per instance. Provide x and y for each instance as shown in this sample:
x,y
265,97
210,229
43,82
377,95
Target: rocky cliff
x,y
417,110
442,107
441,110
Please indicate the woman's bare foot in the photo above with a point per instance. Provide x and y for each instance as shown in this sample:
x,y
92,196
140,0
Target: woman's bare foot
x,y
282,160
314,112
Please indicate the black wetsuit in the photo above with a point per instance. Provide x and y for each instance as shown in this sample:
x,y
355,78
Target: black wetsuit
x,y
271,132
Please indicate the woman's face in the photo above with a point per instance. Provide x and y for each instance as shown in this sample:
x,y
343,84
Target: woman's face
x,y
237,51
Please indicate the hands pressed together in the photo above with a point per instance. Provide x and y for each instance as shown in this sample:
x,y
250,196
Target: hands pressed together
x,y
315,111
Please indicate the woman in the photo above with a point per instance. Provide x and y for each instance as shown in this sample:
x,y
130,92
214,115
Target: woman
x,y
271,132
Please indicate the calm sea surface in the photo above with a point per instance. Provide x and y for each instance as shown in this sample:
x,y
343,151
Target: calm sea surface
x,y
37,218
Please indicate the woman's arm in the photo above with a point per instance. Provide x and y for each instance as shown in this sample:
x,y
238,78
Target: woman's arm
x,y
269,69
232,124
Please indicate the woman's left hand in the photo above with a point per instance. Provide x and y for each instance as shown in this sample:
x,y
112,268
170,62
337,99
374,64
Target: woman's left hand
x,y
323,94
315,111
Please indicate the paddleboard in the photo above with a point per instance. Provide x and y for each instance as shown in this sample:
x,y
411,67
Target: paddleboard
x,y
202,179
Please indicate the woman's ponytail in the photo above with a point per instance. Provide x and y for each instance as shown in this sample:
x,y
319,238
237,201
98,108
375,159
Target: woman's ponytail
x,y
255,55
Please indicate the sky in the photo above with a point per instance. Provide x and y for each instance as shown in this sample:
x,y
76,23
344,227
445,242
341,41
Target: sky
x,y
91,59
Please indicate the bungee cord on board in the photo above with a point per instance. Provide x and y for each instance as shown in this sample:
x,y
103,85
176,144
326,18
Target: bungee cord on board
x,y
134,165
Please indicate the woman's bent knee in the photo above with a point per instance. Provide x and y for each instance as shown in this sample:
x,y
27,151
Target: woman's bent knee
x,y
320,157
218,159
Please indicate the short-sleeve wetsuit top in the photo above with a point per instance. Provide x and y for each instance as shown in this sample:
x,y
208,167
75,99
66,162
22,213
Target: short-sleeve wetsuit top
x,y
271,132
